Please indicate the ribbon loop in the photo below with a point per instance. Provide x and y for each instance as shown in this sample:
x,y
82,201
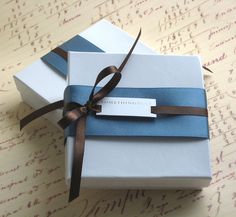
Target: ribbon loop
x,y
106,89
95,97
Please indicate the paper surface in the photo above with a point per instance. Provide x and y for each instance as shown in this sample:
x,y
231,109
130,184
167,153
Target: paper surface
x,y
32,161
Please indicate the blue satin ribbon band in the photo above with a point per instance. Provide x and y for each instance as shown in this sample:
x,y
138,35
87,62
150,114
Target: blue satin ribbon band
x,y
162,126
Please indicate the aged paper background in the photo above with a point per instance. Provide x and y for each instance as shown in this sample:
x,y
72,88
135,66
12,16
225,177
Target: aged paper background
x,y
32,161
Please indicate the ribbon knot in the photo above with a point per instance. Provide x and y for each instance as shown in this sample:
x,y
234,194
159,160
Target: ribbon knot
x,y
92,107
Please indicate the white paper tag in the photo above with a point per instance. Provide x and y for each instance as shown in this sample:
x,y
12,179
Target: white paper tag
x,y
121,106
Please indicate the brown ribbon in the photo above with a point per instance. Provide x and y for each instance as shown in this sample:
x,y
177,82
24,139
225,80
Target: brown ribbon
x,y
78,113
61,53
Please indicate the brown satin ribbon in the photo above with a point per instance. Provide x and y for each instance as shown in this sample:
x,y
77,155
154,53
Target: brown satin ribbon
x,y
78,113
178,110
61,53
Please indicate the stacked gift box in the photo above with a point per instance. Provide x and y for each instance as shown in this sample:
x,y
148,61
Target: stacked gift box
x,y
126,147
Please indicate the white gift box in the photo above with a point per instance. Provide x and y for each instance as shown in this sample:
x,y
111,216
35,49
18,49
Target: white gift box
x,y
29,81
129,162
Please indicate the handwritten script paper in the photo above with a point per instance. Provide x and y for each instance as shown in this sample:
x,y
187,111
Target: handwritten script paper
x,y
32,161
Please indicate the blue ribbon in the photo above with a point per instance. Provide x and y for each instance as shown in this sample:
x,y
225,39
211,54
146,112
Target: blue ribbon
x,y
162,126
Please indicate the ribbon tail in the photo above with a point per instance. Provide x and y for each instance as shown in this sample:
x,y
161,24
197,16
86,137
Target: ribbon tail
x,y
130,51
78,155
42,111
179,110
